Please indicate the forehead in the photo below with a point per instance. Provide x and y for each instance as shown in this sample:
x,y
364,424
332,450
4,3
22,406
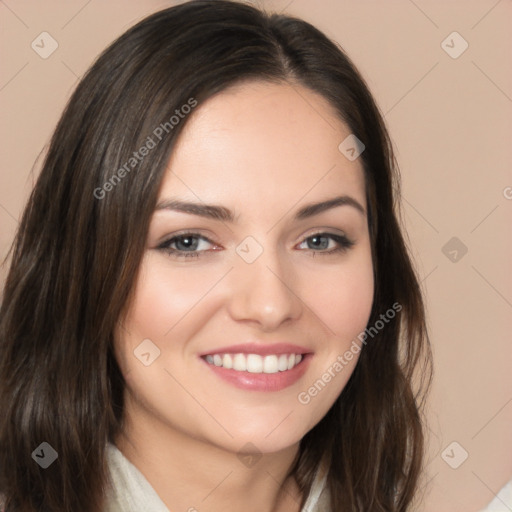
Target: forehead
x,y
260,141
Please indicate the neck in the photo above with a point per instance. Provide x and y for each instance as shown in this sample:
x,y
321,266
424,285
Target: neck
x,y
194,475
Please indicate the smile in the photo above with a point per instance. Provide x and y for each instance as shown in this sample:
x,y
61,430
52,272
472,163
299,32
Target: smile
x,y
257,372
255,363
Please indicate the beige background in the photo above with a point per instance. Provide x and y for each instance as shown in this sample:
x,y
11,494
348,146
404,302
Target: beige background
x,y
450,120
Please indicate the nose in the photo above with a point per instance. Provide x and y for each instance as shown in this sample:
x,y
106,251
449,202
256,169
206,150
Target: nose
x,y
264,292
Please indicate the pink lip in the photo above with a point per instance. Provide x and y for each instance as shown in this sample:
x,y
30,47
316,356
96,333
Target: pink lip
x,y
259,348
262,381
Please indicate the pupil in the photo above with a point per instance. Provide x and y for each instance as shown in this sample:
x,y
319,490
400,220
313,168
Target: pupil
x,y
316,239
187,242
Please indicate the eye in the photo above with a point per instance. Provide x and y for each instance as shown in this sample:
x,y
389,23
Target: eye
x,y
327,243
193,245
186,245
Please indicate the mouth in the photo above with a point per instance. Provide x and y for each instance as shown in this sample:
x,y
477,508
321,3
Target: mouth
x,y
259,368
255,363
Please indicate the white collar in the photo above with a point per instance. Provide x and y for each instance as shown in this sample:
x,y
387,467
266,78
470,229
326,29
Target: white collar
x,y
131,492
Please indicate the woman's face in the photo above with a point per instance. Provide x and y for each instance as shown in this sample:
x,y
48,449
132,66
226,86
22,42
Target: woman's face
x,y
254,278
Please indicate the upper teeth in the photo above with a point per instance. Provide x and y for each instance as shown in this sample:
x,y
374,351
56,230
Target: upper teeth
x,y
254,363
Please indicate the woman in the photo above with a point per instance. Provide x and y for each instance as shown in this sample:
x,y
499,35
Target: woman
x,y
210,304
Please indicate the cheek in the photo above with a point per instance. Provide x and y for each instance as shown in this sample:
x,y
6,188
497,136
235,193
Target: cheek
x,y
164,298
343,298
170,306
161,319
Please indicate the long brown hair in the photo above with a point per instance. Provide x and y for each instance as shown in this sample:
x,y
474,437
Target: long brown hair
x,y
80,243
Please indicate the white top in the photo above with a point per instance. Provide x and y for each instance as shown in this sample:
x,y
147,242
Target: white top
x,y
131,492
503,500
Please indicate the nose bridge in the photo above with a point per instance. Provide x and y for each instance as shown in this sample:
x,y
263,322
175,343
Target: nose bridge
x,y
262,286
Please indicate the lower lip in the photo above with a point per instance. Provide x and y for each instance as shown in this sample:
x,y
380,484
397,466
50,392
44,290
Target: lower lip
x,y
262,381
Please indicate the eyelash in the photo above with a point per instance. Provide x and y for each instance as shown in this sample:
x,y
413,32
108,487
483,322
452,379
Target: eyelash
x,y
344,244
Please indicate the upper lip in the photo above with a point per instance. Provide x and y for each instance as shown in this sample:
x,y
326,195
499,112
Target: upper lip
x,y
262,349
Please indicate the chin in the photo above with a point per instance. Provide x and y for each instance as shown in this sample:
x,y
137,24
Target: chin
x,y
267,437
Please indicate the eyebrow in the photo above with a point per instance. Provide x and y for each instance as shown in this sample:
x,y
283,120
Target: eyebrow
x,y
224,214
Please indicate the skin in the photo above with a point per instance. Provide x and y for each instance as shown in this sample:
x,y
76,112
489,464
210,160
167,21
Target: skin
x,y
263,151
